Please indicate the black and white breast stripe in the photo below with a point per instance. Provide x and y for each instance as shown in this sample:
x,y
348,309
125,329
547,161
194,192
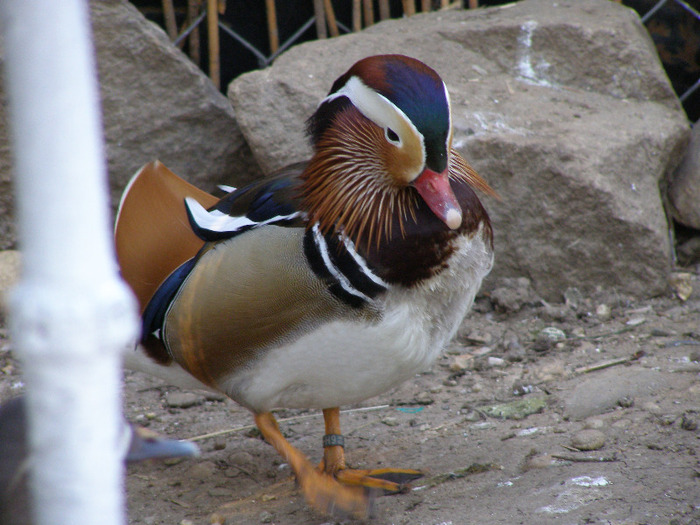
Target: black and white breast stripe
x,y
215,225
334,259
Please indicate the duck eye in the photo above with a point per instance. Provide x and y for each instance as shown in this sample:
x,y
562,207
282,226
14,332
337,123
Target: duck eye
x,y
392,136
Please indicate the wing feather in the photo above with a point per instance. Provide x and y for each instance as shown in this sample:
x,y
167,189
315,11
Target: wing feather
x,y
152,234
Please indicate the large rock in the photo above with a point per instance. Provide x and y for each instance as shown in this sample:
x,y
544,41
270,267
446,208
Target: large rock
x,y
158,105
684,188
8,231
563,107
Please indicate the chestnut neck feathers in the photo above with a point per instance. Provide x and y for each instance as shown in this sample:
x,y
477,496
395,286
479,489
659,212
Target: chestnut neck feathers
x,y
384,123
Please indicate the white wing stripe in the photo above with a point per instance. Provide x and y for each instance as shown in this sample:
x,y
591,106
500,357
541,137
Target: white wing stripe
x,y
218,221
337,275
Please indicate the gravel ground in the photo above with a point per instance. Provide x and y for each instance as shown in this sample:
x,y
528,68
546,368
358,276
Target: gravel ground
x,y
580,412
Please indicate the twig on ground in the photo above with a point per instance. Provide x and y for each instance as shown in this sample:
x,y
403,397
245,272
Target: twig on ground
x,y
285,420
474,468
607,364
585,459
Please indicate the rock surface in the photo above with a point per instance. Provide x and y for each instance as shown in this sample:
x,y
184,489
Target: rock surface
x,y
156,104
577,148
684,187
604,392
159,105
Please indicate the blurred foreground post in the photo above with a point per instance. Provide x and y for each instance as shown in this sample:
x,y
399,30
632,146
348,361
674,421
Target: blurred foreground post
x,y
71,314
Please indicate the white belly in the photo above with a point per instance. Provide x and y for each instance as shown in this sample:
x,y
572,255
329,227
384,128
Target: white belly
x,y
346,362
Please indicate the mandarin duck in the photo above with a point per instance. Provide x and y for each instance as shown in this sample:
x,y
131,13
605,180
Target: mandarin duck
x,y
329,282
138,444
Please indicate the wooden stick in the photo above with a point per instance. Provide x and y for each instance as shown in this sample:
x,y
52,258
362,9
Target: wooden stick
x,y
473,4
585,459
272,25
170,22
284,420
356,15
330,17
320,17
192,11
368,9
213,35
409,7
425,5
384,11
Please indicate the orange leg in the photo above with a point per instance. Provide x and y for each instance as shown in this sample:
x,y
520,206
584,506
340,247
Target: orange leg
x,y
390,481
321,491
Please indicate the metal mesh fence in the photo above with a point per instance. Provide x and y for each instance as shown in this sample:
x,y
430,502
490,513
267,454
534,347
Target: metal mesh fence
x,y
247,36
674,25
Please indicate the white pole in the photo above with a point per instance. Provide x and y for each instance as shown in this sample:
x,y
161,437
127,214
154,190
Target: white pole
x,y
71,314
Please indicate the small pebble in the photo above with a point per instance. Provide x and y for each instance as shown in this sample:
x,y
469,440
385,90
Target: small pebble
x,y
217,519
483,350
578,331
219,444
553,334
461,362
423,398
573,298
557,312
472,416
688,422
626,402
495,361
182,399
635,321
186,522
588,439
477,337
203,470
682,284
390,421
622,423
521,389
265,517
547,338
603,312
668,419
652,408
539,461
515,352
449,382
594,423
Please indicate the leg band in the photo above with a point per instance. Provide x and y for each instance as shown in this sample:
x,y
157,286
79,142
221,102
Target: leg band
x,y
333,440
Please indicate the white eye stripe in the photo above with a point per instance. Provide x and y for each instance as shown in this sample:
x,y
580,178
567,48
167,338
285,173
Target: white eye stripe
x,y
376,107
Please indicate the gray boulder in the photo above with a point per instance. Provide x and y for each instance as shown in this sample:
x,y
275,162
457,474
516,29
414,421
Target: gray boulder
x,y
684,187
8,229
563,107
158,105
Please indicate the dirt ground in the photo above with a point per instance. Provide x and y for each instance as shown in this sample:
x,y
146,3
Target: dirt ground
x,y
497,424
